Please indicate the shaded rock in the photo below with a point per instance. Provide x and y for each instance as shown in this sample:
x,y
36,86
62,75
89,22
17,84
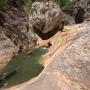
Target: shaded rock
x,y
80,10
88,11
69,20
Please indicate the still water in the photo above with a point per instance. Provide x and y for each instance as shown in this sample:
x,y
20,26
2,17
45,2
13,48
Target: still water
x,y
29,66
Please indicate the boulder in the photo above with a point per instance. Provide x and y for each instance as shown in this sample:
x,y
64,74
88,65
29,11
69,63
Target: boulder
x,y
45,16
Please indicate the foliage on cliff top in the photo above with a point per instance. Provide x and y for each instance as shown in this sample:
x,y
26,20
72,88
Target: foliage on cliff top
x,y
3,3
66,5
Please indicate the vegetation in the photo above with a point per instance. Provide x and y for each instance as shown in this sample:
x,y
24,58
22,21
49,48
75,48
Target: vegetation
x,y
66,5
29,4
3,3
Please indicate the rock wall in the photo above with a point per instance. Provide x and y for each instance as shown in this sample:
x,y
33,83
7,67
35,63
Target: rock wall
x,y
67,65
7,50
15,31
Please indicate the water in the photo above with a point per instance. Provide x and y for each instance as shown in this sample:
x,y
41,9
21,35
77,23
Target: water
x,y
29,66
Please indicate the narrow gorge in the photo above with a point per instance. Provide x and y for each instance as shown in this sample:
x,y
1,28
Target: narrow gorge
x,y
45,45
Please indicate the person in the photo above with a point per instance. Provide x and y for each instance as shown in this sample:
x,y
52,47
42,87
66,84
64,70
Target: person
x,y
49,45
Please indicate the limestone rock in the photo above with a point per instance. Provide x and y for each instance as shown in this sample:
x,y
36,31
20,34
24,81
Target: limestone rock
x,y
7,50
14,22
45,16
15,25
15,30
69,69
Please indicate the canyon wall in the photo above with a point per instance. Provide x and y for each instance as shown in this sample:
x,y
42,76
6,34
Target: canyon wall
x,y
69,67
15,31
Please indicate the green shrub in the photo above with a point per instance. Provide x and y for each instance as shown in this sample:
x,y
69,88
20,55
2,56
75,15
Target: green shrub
x,y
29,3
66,5
3,3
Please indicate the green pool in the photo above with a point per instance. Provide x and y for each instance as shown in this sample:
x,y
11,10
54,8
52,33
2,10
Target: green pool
x,y
29,66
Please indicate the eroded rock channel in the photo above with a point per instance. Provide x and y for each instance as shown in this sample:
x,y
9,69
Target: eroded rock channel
x,y
66,63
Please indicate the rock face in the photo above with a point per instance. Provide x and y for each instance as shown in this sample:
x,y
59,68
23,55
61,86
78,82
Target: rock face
x,y
81,11
69,20
88,10
69,69
45,16
7,50
15,25
15,30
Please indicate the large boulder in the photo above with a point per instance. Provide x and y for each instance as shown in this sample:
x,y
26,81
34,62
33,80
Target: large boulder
x,y
45,16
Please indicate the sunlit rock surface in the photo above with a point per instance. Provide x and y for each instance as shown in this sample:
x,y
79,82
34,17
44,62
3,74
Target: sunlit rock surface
x,y
45,16
69,67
